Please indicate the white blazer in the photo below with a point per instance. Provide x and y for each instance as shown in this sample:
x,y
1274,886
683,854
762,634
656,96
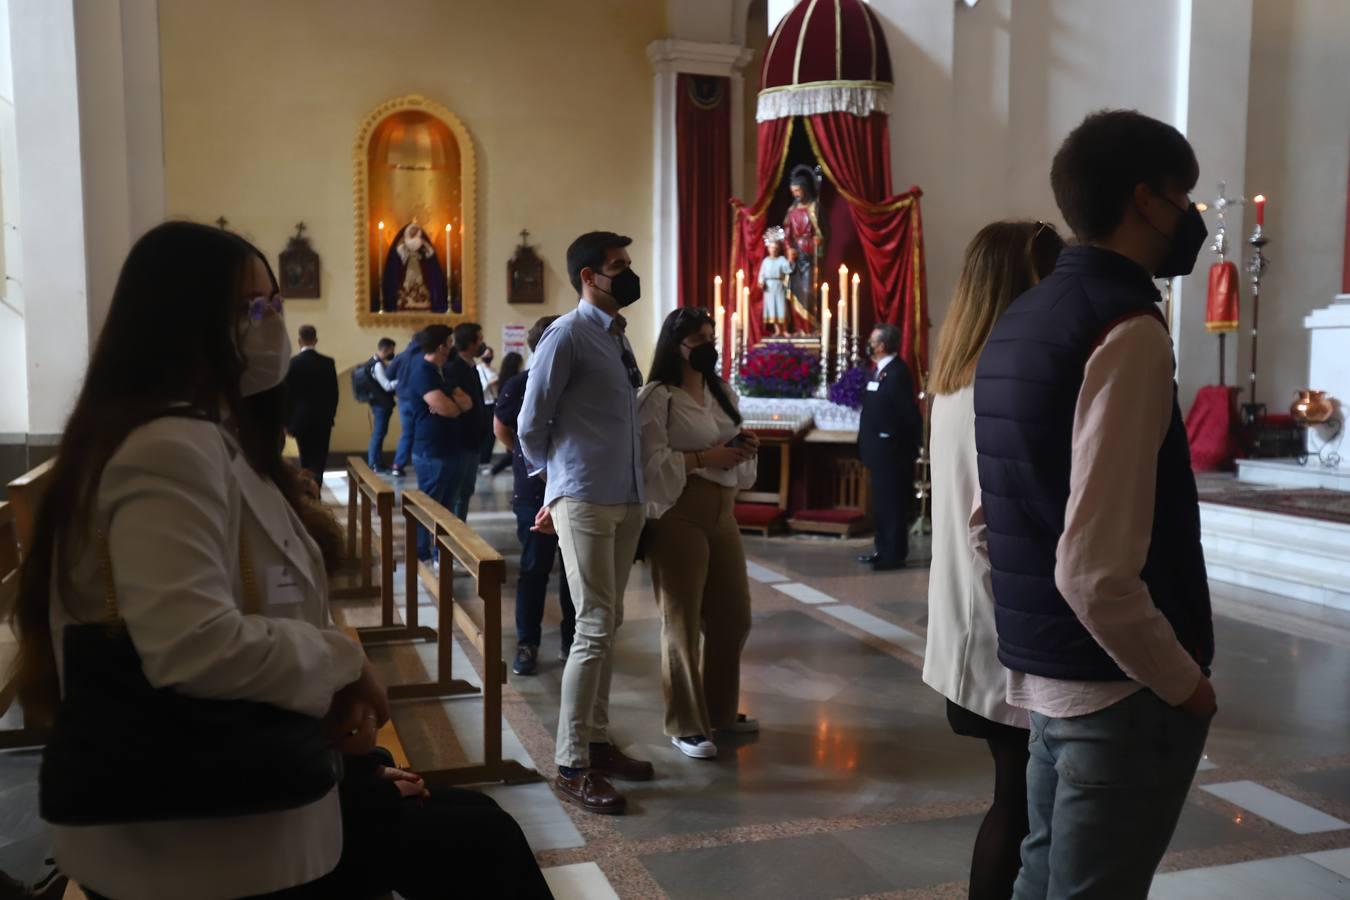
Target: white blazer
x,y
174,499
961,661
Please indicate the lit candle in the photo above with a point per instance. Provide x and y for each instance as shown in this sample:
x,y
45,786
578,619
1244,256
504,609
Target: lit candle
x,y
853,317
745,313
1260,201
448,266
380,254
843,296
719,315
740,283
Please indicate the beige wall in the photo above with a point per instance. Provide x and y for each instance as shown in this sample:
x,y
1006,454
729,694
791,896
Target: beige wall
x,y
262,101
1297,144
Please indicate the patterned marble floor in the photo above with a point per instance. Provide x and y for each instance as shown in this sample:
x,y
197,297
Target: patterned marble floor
x,y
856,787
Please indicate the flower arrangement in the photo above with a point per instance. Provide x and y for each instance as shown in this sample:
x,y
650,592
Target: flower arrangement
x,y
848,390
779,370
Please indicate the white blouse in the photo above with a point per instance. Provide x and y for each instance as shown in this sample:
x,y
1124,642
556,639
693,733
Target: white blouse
x,y
961,661
673,423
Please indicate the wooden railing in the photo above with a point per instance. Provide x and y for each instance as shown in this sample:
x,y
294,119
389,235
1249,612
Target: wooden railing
x,y
369,498
460,545
17,523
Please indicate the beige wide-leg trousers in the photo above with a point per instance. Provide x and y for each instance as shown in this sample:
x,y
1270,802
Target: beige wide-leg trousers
x,y
597,544
698,571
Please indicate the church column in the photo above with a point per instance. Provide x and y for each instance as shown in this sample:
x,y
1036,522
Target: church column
x,y
669,58
82,175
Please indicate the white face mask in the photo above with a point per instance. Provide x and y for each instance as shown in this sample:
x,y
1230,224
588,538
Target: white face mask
x,y
266,348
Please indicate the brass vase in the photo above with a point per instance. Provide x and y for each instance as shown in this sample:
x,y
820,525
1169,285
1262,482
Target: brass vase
x,y
1313,407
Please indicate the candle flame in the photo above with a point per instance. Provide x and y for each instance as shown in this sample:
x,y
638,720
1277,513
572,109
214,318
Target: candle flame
x,y
856,279
447,226
1259,198
740,273
1202,206
843,269
717,279
381,225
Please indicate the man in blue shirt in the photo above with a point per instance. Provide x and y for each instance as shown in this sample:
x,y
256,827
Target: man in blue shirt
x,y
579,429
435,406
537,548
474,424
403,363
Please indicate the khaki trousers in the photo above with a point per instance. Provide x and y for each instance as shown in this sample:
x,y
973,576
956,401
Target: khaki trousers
x,y
597,544
698,570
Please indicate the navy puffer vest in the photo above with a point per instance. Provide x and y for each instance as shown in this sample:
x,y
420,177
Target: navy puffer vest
x,y
1026,390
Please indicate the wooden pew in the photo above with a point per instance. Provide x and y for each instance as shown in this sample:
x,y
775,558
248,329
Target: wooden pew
x,y
17,524
388,736
368,493
460,544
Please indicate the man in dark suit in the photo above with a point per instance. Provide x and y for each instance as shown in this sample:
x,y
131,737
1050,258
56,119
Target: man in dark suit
x,y
311,401
889,434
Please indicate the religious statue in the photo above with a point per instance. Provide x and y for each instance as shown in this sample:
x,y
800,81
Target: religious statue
x,y
774,273
413,279
805,247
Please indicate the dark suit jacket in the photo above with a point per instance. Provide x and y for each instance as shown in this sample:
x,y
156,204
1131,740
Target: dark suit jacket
x,y
891,428
311,392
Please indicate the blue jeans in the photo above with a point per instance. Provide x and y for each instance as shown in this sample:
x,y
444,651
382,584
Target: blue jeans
x,y
536,564
465,477
1104,792
379,429
435,478
403,452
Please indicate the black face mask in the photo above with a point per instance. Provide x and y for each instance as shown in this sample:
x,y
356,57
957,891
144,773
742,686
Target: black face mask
x,y
703,359
625,287
1183,247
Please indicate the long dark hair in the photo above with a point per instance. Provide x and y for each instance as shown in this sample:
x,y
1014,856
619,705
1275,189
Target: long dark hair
x,y
169,340
510,367
668,362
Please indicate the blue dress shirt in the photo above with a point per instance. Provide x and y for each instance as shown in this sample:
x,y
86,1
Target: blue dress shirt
x,y
579,422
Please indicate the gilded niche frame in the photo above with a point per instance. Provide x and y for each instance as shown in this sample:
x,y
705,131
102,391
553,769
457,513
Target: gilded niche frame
x,y
373,246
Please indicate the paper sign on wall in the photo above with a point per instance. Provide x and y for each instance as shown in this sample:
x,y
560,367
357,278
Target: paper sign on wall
x,y
513,340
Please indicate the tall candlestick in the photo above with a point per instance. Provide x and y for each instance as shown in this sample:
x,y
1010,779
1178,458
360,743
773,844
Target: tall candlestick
x,y
449,267
825,335
745,318
740,285
843,294
839,321
735,342
853,311
719,323
1260,201
380,254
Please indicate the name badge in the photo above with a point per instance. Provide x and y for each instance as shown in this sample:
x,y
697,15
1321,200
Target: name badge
x,y
873,385
283,586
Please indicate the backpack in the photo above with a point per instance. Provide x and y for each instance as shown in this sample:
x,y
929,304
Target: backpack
x,y
364,387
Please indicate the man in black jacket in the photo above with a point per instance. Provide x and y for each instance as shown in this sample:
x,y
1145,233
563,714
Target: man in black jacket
x,y
889,434
311,402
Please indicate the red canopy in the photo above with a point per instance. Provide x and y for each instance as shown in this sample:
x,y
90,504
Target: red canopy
x,y
828,70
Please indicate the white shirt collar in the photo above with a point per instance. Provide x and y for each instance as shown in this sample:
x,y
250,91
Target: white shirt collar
x,y
303,349
884,362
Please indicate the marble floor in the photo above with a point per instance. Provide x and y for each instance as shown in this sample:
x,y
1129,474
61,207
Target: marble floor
x,y
855,786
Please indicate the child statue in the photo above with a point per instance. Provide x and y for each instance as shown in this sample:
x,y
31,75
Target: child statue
x,y
773,281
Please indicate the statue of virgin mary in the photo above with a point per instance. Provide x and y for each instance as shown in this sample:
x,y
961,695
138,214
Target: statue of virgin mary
x,y
413,278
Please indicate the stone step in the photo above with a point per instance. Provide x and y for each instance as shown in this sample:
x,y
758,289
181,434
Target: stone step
x,y
1292,581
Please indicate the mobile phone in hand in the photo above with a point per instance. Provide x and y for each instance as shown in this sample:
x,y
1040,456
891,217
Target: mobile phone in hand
x,y
737,442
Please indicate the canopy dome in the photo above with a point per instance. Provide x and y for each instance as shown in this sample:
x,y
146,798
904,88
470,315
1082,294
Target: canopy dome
x,y
825,56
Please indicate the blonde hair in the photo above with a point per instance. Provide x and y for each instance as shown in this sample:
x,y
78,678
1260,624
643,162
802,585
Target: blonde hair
x,y
1002,261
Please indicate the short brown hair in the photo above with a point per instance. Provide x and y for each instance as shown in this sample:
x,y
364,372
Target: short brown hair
x,y
537,331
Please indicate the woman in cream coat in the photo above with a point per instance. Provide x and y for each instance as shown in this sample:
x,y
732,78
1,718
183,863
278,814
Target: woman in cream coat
x,y
961,661
173,451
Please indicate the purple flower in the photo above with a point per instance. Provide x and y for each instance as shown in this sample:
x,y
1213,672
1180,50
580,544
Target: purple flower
x,y
779,370
848,390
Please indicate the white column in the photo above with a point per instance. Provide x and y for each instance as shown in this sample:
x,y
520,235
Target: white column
x,y
14,398
122,135
51,209
669,58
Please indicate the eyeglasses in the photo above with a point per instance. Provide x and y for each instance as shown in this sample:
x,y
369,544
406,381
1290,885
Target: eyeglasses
x,y
634,373
258,306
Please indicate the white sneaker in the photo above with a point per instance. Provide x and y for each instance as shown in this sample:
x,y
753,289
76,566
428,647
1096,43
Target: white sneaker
x,y
743,725
696,746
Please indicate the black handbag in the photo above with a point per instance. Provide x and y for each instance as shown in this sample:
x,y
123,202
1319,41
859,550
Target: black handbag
x,y
124,751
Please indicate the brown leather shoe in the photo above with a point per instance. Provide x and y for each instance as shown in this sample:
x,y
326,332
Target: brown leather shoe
x,y
608,759
592,792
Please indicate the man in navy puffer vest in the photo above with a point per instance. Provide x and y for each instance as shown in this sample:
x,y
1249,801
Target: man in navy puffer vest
x,y
1091,522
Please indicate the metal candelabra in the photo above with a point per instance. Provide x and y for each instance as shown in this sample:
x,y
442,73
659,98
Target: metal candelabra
x,y
1256,268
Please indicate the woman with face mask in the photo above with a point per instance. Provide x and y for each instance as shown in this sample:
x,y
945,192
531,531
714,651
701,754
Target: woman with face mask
x,y
170,508
695,459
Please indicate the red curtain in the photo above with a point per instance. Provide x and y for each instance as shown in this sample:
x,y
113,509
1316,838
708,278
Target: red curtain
x,y
747,248
855,154
703,162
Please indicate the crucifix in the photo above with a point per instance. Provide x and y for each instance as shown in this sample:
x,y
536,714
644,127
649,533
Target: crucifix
x,y
524,237
222,222
300,230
